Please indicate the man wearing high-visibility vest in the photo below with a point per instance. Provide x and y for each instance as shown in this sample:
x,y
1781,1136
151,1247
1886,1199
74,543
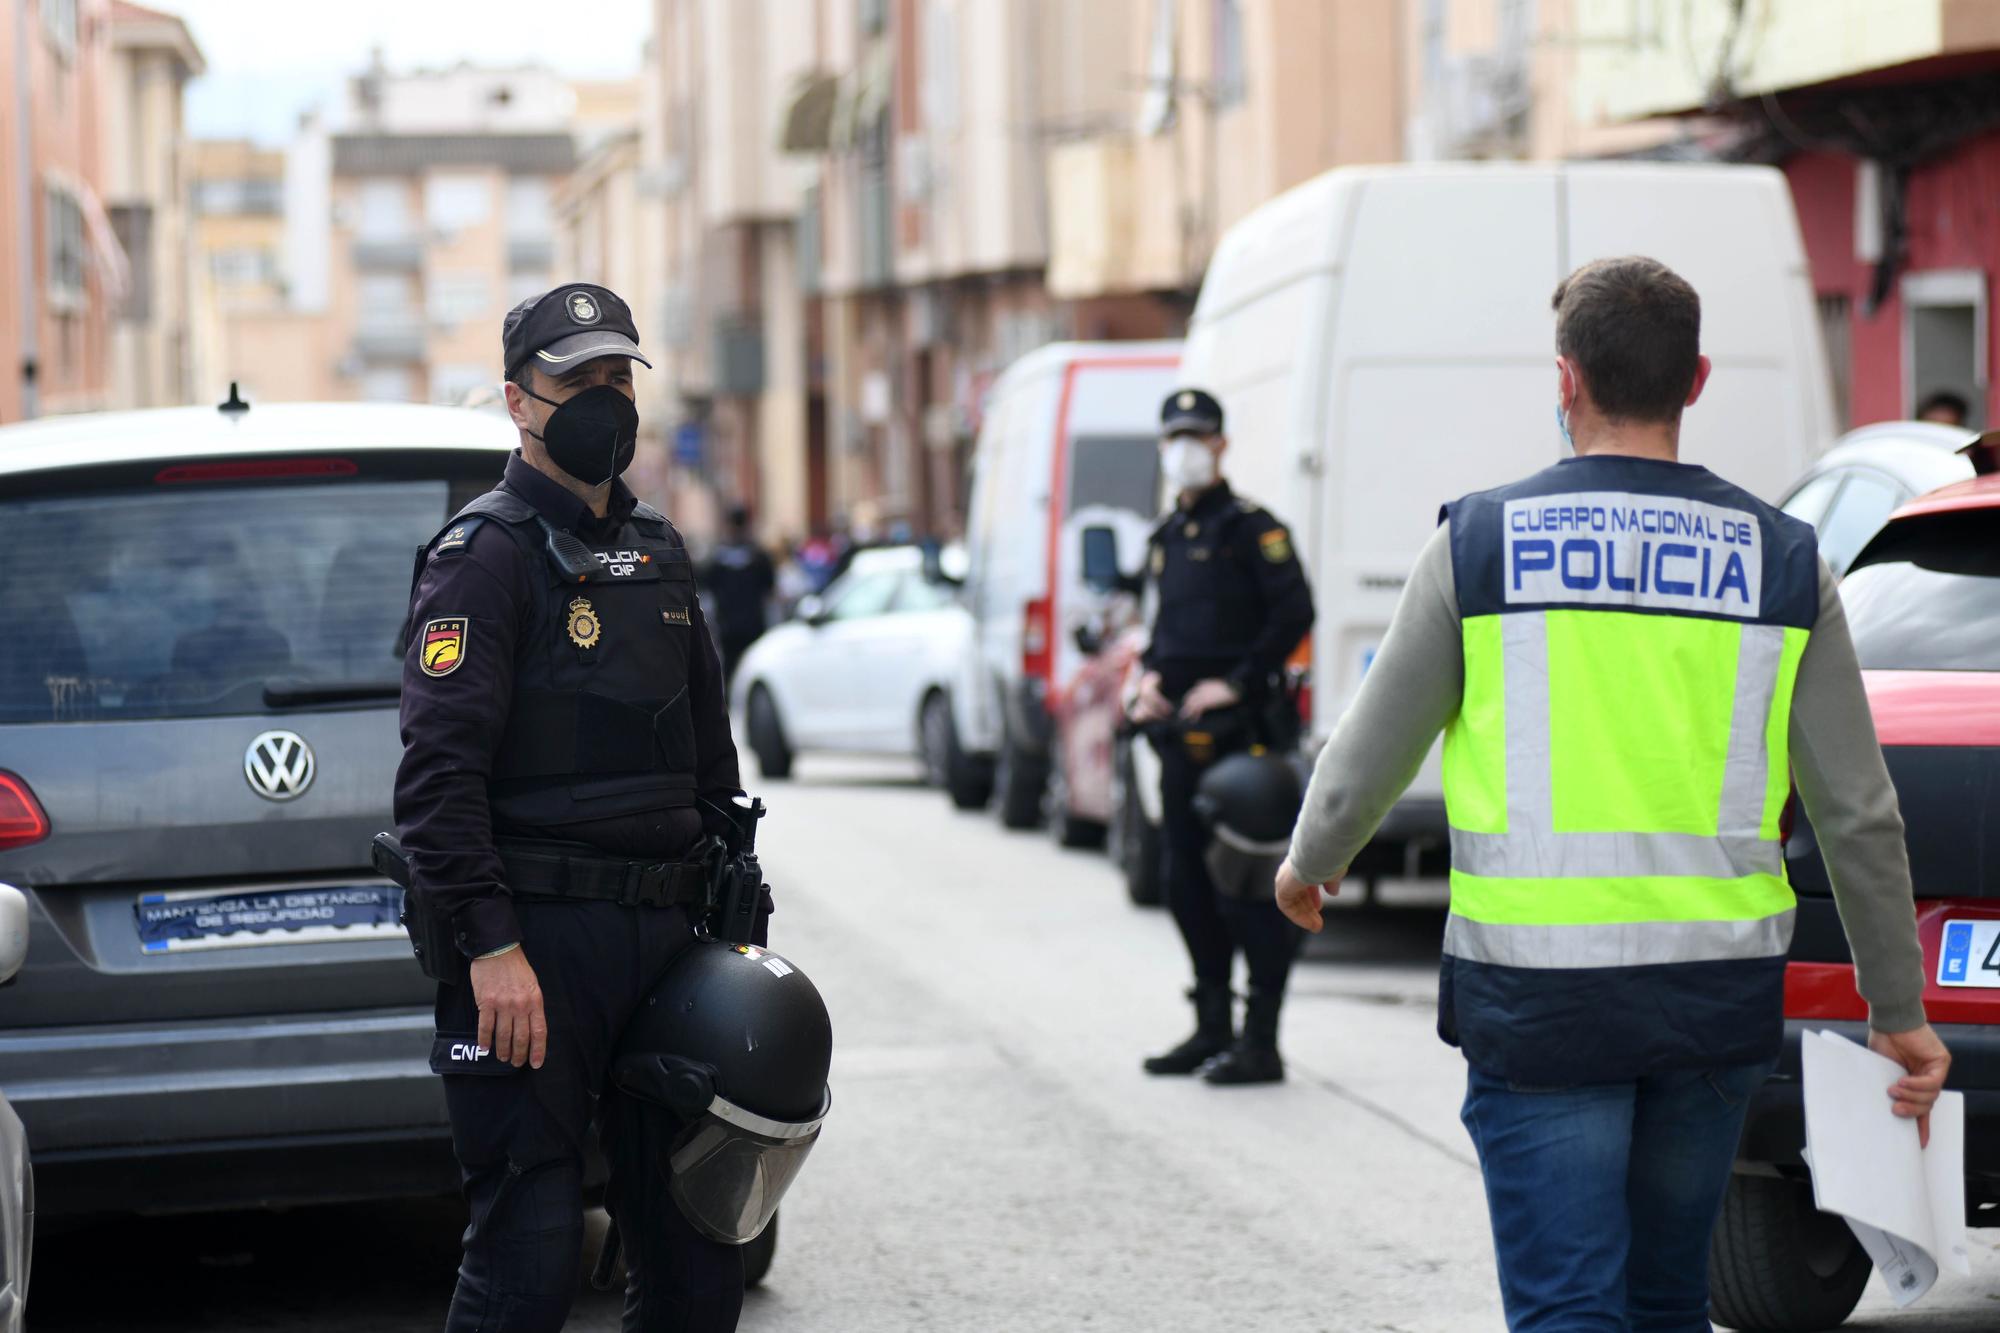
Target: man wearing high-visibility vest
x,y
1628,657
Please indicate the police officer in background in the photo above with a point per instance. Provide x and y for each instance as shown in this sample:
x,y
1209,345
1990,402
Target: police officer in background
x,y
740,579
1232,605
563,719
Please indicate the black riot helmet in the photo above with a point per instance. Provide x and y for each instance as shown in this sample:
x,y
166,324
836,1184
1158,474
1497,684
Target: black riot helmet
x,y
733,1045
1248,802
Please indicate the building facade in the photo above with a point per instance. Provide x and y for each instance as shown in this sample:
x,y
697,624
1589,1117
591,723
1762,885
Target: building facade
x,y
64,275
888,201
246,331
417,210
153,346
1885,117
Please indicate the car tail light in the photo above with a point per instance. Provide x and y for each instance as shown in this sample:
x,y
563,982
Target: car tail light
x,y
1299,668
22,819
1037,641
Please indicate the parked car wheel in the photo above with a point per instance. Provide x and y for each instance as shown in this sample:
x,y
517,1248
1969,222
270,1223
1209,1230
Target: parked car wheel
x,y
767,736
966,779
1779,1265
1066,827
1134,842
757,1255
1019,777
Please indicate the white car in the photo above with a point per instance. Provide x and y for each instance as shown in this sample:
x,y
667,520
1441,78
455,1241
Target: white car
x,y
1868,474
865,667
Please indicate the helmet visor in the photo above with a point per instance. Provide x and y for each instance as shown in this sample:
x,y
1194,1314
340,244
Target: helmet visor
x,y
731,1167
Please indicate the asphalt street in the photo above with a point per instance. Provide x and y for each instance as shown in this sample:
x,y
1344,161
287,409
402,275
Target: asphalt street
x,y
995,1160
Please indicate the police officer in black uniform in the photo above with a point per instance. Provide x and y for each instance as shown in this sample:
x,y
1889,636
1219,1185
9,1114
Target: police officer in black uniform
x,y
1232,605
563,723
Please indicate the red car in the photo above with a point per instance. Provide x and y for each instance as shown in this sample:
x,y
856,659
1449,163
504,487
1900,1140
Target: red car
x,y
1087,716
1923,600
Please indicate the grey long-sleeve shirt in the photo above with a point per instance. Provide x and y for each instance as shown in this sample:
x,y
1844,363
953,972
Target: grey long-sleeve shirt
x,y
1413,690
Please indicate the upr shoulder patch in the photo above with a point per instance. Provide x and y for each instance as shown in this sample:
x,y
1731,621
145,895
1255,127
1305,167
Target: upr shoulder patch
x,y
1276,546
444,645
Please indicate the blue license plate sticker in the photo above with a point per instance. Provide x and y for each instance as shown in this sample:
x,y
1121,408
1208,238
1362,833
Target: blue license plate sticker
x,y
1969,954
175,921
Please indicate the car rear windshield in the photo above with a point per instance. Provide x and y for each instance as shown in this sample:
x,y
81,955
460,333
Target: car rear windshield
x,y
190,601
1925,595
1118,471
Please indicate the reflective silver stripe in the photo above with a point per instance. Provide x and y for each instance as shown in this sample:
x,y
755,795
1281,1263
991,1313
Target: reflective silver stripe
x,y
1524,664
1747,770
1637,944
1533,854
623,347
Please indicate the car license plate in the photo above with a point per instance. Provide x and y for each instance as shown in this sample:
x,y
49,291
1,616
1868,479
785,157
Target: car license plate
x,y
177,920
1971,954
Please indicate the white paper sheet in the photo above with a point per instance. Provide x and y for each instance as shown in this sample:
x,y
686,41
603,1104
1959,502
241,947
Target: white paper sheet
x,y
1905,1203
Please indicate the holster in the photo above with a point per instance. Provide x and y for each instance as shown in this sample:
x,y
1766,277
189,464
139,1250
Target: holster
x,y
429,929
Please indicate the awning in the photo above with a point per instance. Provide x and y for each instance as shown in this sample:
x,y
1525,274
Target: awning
x,y
808,120
863,98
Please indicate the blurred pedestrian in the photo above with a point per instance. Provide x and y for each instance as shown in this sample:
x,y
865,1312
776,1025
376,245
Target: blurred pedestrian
x,y
1629,658
1945,408
1233,604
741,578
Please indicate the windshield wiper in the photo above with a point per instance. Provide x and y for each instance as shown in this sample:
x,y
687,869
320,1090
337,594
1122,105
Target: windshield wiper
x,y
290,693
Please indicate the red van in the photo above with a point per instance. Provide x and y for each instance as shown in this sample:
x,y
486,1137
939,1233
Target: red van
x,y
1923,600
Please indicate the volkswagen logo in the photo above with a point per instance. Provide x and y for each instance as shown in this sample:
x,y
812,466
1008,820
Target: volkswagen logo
x,y
278,765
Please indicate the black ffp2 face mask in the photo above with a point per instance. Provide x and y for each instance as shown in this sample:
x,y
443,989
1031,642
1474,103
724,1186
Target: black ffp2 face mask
x,y
592,434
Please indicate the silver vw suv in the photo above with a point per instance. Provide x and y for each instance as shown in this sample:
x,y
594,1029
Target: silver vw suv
x,y
199,621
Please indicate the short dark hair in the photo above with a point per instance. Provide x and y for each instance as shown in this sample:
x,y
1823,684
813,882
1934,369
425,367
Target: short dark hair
x,y
1632,327
523,378
1945,398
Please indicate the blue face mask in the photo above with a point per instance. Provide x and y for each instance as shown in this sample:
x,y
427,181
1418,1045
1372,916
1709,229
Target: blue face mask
x,y
1562,424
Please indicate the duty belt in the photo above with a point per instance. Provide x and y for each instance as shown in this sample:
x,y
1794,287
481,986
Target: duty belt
x,y
573,870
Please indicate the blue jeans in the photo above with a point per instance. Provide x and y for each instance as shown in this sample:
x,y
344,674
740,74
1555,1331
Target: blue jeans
x,y
1603,1195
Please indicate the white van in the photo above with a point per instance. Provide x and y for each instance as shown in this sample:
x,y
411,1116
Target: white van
x,y
1069,442
1381,341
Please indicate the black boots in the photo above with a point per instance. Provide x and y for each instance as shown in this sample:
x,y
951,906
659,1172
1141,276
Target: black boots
x,y
1254,1057
1213,1031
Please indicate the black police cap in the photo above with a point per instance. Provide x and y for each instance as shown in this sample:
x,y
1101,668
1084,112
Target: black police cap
x,y
1190,412
567,326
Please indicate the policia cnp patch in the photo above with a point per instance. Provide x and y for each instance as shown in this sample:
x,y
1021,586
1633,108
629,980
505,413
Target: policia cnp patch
x,y
444,646
1276,545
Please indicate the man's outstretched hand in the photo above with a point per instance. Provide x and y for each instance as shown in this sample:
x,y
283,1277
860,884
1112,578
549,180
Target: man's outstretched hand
x,y
1299,900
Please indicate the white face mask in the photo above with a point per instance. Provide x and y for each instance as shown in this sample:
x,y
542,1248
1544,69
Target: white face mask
x,y
1188,464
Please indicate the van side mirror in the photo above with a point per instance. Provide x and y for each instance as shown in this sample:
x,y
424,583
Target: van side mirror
x,y
1100,559
13,931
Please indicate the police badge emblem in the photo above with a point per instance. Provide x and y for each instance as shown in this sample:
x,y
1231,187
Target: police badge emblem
x,y
584,628
582,309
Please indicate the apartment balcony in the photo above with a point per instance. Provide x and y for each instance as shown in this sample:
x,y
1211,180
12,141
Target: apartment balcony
x,y
531,254
738,356
1109,232
874,223
400,254
392,340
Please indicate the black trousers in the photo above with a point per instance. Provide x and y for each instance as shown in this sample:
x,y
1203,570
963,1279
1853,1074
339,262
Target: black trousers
x,y
519,1136
1212,924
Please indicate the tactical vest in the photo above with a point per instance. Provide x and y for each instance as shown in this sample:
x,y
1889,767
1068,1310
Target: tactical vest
x,y
1211,606
600,723
1617,771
